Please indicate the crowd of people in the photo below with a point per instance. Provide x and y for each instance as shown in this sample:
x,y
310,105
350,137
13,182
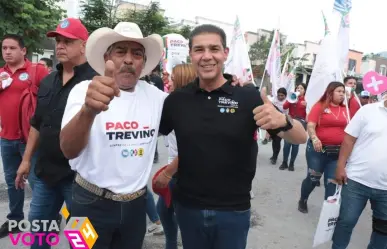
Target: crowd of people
x,y
92,140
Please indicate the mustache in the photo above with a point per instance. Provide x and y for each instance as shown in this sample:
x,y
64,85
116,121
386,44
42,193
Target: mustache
x,y
127,69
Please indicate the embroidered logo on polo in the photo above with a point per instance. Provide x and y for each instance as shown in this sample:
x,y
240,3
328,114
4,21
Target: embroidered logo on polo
x,y
227,105
23,76
64,24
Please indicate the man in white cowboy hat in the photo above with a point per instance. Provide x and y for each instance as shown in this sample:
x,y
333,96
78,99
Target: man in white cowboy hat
x,y
109,133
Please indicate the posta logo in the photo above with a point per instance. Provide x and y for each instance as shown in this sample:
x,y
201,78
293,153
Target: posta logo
x,y
79,231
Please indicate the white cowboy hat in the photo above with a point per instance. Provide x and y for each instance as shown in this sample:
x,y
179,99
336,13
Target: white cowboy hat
x,y
101,39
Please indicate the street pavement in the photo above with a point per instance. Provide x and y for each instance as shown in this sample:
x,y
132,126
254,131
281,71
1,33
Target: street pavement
x,y
275,220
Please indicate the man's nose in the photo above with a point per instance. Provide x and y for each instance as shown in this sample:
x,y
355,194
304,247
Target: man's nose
x,y
207,55
128,59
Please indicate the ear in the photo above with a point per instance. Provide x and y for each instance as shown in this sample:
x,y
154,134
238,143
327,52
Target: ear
x,y
83,47
226,52
24,51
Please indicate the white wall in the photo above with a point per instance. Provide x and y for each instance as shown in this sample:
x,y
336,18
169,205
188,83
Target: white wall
x,y
47,54
367,66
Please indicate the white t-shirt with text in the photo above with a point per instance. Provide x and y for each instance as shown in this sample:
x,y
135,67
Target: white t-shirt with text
x,y
367,163
122,143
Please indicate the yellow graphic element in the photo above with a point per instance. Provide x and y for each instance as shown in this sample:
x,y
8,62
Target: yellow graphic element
x,y
140,152
75,223
65,212
88,232
78,227
232,110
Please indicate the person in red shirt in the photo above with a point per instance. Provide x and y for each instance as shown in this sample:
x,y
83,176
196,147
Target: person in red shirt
x,y
16,76
326,123
296,111
353,102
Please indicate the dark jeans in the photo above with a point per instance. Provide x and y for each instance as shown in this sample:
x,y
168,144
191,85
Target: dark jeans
x,y
169,222
211,229
318,164
286,152
119,225
12,153
151,207
276,146
47,202
354,198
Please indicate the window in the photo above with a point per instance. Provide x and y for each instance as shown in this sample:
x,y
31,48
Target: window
x,y
351,65
383,70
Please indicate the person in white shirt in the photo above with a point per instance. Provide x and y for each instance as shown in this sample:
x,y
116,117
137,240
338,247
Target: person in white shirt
x,y
362,169
109,133
278,101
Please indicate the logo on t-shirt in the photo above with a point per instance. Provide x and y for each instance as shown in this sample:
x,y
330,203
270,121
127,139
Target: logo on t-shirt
x,y
139,152
23,76
128,130
227,105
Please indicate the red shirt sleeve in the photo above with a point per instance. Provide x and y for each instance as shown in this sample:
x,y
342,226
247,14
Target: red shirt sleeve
x,y
314,114
41,73
353,106
286,105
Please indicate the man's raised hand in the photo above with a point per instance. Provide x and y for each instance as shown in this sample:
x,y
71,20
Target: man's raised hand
x,y
102,90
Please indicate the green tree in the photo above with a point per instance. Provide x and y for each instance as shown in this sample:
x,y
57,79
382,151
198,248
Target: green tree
x,y
30,19
96,14
151,21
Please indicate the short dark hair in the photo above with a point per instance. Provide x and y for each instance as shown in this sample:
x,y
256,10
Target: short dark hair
x,y
349,78
48,61
282,90
210,29
15,37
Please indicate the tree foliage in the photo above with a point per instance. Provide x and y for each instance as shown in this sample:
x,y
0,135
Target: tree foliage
x,y
103,13
98,13
31,19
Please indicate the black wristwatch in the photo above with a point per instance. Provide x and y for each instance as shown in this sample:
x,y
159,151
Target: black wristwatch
x,y
289,124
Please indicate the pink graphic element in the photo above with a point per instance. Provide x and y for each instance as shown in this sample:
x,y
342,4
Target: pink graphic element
x,y
76,239
374,83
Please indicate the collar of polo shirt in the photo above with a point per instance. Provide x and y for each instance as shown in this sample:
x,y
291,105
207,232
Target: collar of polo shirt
x,y
226,87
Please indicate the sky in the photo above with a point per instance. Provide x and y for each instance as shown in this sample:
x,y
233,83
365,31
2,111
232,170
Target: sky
x,y
300,20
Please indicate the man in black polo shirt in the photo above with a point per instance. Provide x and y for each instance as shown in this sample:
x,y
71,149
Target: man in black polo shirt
x,y
55,177
214,125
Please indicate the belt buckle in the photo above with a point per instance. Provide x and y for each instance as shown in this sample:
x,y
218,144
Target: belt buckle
x,y
116,198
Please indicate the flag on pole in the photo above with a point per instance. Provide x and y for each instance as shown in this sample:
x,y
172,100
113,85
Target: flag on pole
x,y
273,63
343,7
325,24
238,62
325,70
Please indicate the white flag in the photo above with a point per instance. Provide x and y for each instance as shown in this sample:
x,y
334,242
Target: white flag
x,y
325,70
238,62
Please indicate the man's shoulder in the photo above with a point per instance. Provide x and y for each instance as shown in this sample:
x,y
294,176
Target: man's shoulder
x,y
81,87
151,89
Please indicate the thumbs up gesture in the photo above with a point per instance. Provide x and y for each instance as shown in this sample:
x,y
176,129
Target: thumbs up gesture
x,y
267,116
102,90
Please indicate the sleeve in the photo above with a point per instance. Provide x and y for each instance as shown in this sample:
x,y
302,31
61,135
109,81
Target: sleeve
x,y
75,102
166,122
41,73
286,105
357,123
314,114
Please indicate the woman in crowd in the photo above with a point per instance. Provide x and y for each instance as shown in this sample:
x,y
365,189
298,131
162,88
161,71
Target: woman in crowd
x,y
326,123
297,111
276,140
181,75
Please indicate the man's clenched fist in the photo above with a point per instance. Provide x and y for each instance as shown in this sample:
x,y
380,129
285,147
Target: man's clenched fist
x,y
102,90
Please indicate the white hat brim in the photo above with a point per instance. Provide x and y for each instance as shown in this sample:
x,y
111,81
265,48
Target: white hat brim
x,y
101,39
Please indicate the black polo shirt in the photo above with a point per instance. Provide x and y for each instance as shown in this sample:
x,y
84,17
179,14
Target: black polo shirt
x,y
52,166
215,140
